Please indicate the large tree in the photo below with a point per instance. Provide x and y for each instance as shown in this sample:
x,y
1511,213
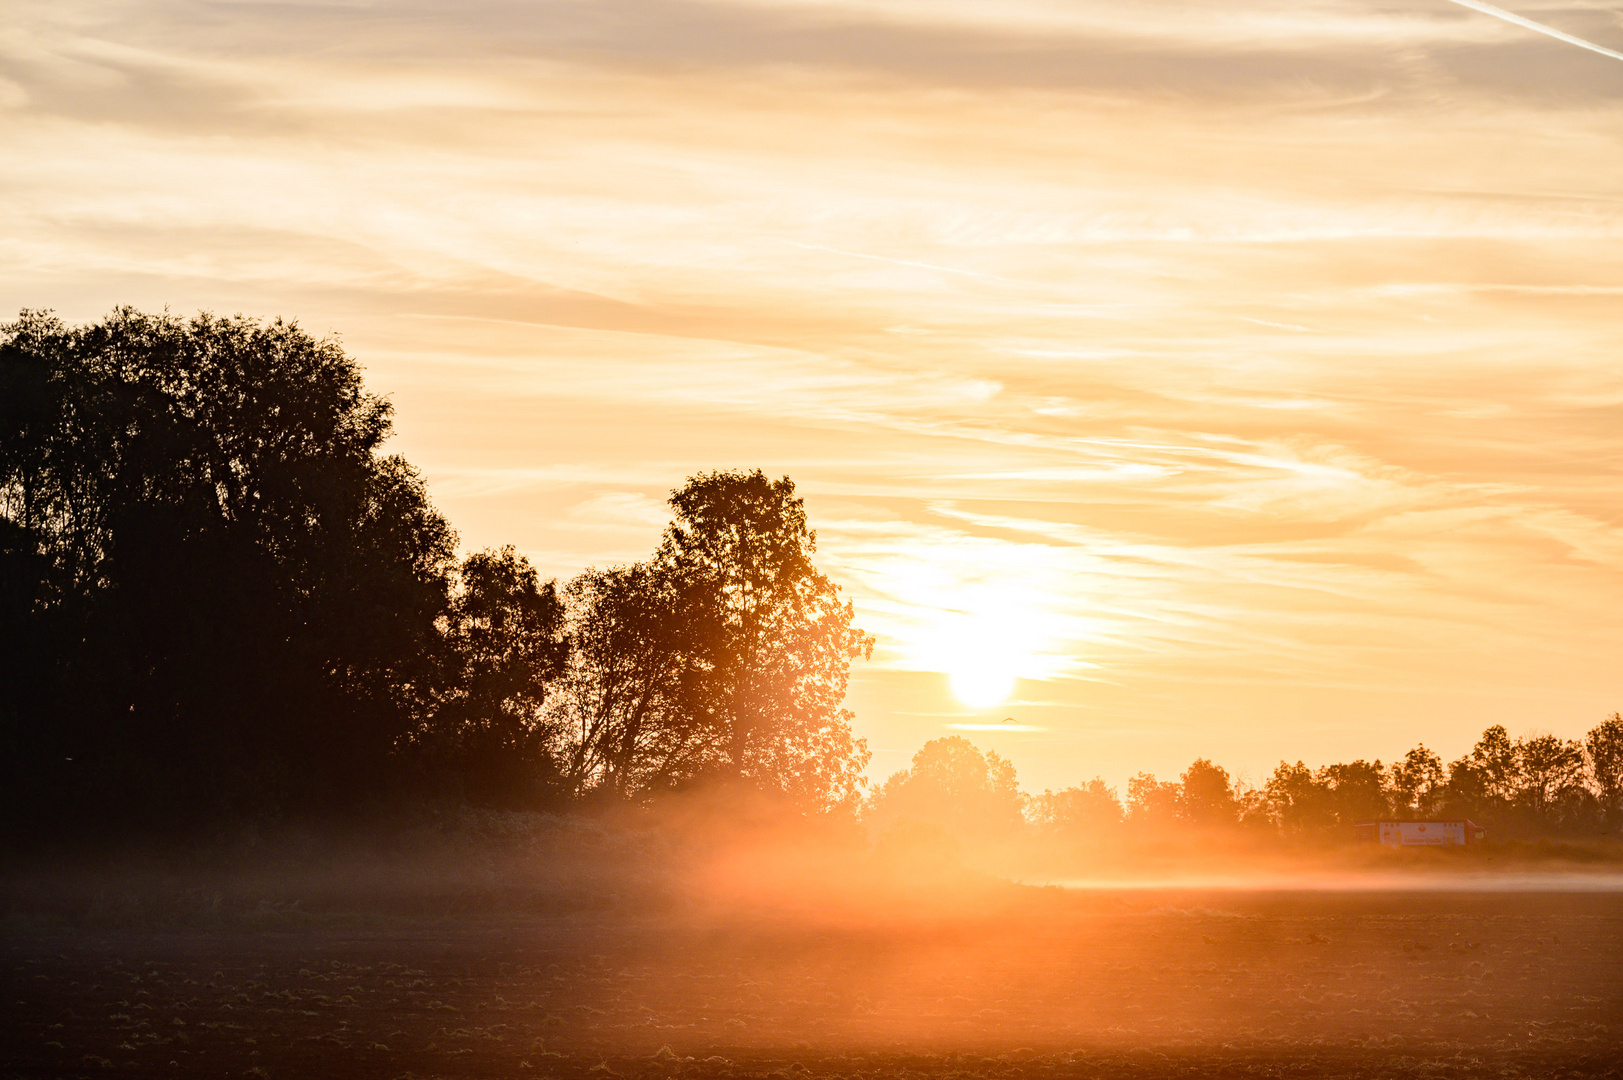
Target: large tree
x,y
773,642
1299,800
1152,803
218,593
1491,765
723,657
1357,791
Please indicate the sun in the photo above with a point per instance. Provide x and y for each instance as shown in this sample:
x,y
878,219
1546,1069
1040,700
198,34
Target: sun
x,y
982,686
989,639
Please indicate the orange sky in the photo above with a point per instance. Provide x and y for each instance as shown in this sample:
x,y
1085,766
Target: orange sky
x,y
1244,378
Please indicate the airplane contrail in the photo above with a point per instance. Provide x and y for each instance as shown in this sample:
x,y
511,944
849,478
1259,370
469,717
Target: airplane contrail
x,y
1512,17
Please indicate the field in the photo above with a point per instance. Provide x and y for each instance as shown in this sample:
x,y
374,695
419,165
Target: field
x,y
1037,984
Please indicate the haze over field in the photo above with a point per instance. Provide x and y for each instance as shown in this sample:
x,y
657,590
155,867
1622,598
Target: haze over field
x,y
1242,380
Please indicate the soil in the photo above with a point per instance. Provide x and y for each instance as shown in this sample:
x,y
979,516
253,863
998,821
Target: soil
x,y
1127,984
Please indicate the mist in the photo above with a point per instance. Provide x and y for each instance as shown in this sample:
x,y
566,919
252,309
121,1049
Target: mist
x,y
295,786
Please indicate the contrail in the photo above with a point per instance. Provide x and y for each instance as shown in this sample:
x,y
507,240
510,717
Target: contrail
x,y
1511,17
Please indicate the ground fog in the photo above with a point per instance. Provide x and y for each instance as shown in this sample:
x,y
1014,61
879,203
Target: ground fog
x,y
737,951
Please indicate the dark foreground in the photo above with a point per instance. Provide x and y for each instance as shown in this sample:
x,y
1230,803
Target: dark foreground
x,y
1117,985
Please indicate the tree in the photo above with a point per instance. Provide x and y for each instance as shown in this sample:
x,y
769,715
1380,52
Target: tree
x,y
1604,747
1493,760
954,786
1416,782
1356,791
773,642
1297,799
504,646
1152,802
1207,797
1546,768
625,714
231,596
1088,811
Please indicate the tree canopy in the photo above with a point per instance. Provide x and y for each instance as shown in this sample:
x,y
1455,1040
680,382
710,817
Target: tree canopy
x,y
219,592
219,597
725,656
955,787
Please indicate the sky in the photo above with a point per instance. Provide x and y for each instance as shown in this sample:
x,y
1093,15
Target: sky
x,y
1238,381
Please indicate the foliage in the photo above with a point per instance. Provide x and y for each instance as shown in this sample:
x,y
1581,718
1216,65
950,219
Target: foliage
x,y
1604,748
1527,785
219,598
954,786
1546,768
1416,782
771,642
1492,765
1152,802
1088,810
218,593
622,712
1356,792
1296,800
1535,785
504,646
1206,796
724,657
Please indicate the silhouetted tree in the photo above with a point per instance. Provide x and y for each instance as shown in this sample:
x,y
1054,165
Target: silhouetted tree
x,y
1416,783
1356,792
1492,765
1548,769
774,643
1297,800
1604,748
504,645
1206,797
627,712
1527,785
230,596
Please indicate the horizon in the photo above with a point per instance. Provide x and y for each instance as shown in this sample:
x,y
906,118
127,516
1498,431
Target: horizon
x,y
1242,385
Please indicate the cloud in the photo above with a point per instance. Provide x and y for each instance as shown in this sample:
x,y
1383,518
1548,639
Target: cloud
x,y
1250,369
1538,27
1017,728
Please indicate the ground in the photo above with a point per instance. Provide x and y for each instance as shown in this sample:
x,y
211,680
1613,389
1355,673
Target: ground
x,y
1046,984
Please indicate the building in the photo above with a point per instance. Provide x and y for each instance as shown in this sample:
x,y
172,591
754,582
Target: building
x,y
1419,833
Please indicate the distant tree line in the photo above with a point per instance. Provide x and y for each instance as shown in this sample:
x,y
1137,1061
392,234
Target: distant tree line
x,y
1537,785
219,599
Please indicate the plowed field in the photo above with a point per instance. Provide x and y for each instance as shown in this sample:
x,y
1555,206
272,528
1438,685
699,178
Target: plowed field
x,y
1108,985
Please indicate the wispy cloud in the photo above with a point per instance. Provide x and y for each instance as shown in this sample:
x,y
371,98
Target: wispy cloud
x,y
1538,27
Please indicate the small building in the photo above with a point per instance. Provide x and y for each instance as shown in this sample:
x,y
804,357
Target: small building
x,y
1419,833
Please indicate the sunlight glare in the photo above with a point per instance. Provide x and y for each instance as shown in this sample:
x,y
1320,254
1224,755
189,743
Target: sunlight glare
x,y
989,643
982,687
